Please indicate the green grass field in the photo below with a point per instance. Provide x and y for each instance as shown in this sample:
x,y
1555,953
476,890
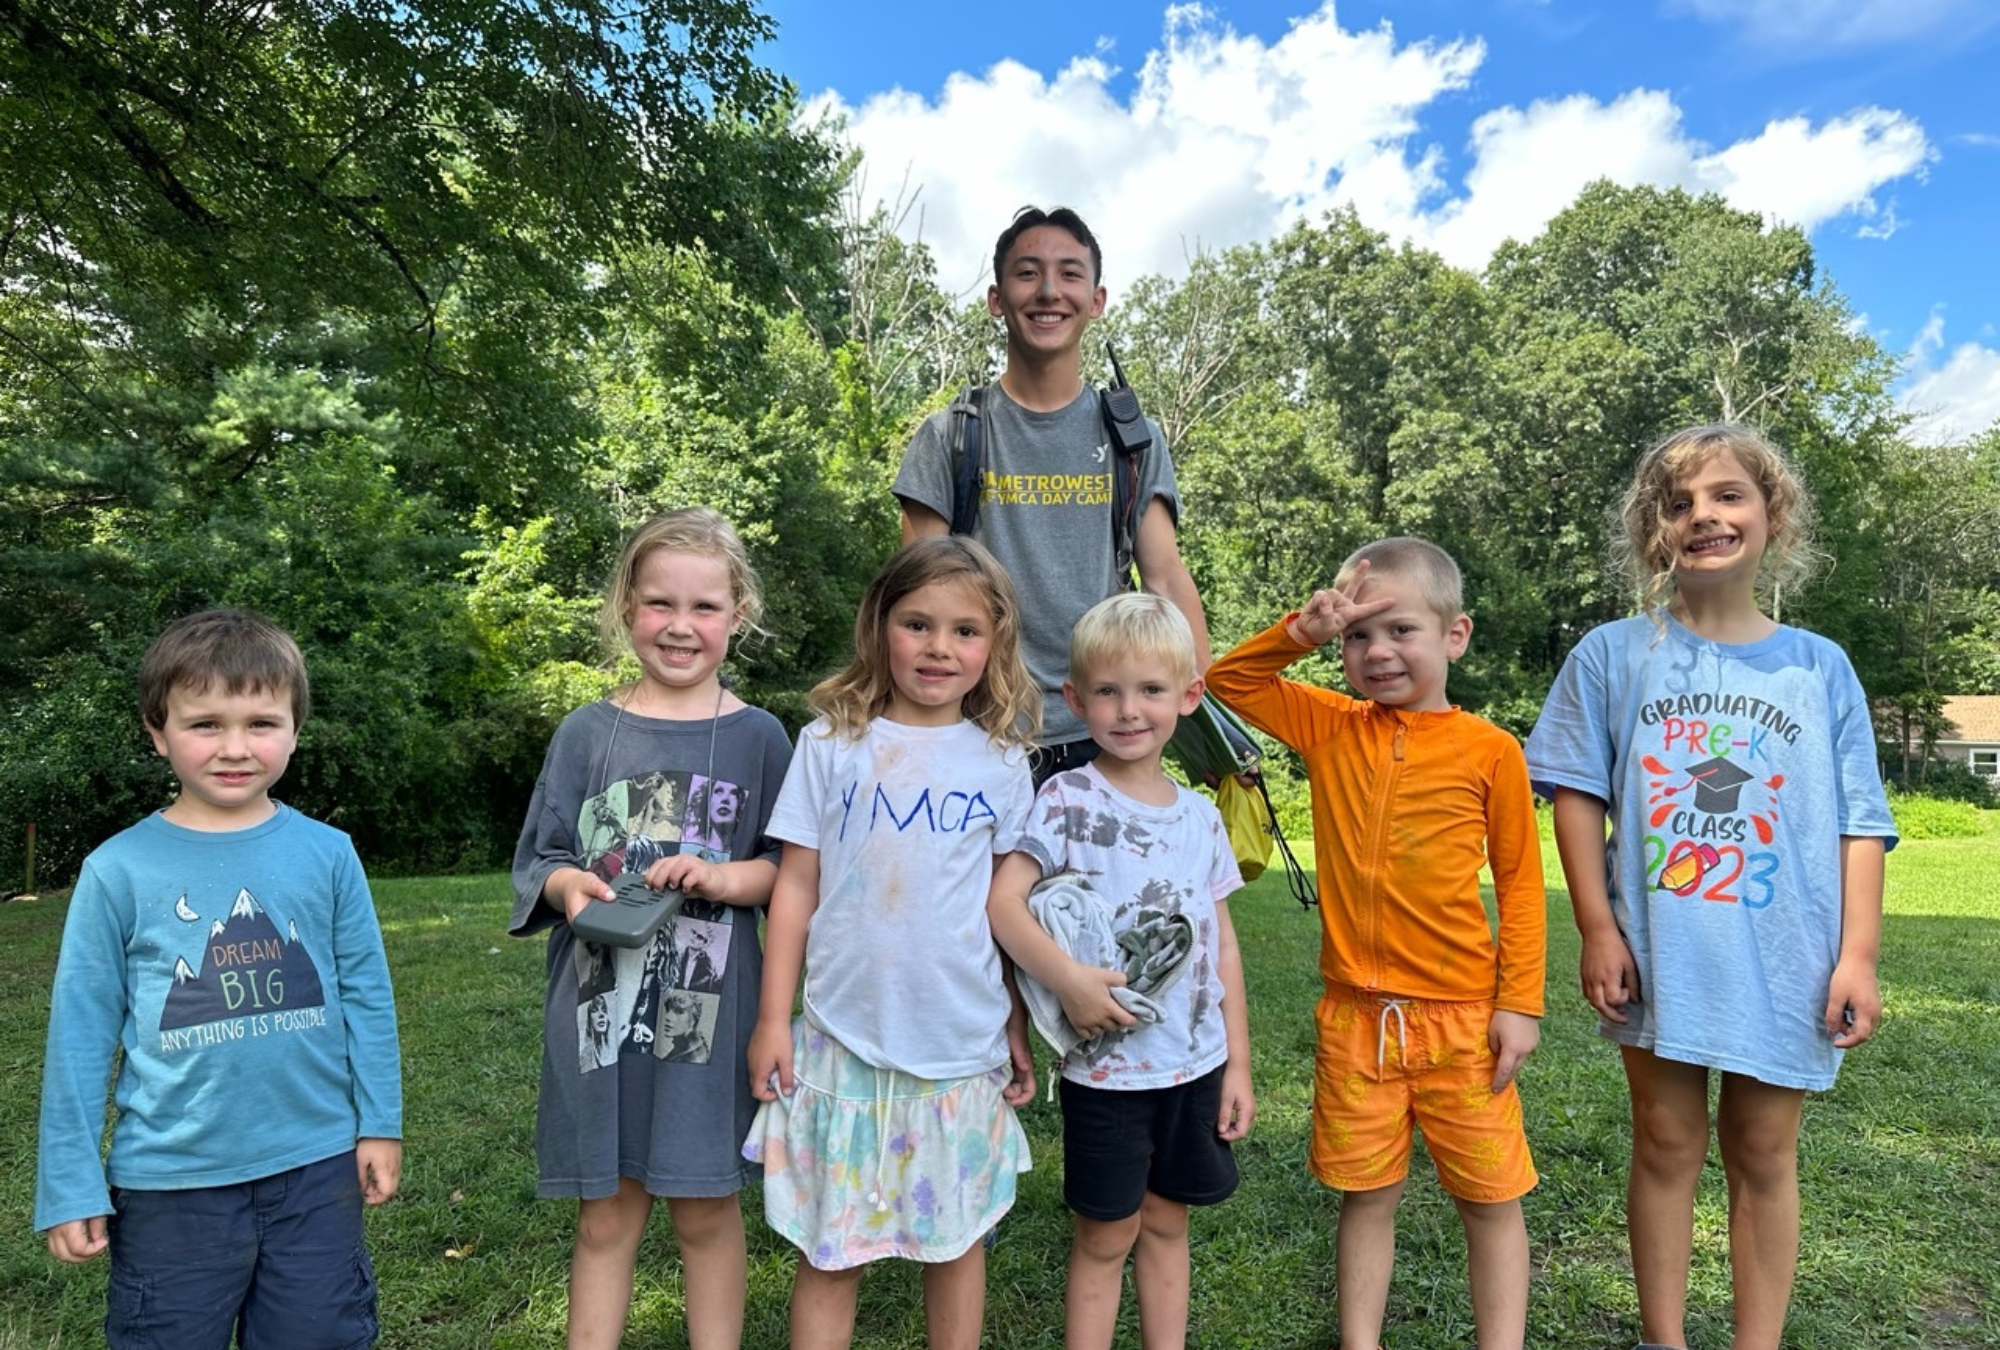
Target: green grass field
x,y
1900,1162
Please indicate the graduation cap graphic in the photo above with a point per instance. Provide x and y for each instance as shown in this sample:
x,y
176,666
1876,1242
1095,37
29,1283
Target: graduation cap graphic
x,y
1716,785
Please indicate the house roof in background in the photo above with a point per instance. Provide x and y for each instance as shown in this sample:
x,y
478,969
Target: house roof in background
x,y
1973,717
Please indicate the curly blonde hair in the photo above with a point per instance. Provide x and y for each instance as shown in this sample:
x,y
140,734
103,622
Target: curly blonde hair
x,y
1645,550
1005,704
698,530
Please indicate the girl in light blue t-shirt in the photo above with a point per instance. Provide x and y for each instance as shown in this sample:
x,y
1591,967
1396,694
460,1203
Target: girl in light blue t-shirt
x,y
1731,920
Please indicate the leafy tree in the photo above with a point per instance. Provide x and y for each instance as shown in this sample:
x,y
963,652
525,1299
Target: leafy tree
x,y
1638,311
1933,620
297,303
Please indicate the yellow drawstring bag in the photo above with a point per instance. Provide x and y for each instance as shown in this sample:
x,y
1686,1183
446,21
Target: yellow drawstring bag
x,y
1248,822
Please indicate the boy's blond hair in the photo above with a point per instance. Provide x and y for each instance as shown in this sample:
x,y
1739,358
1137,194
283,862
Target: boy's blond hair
x,y
1415,560
1131,623
235,649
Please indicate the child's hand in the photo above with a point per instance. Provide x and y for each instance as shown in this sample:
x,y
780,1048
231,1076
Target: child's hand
x,y
1086,998
1020,1089
379,1163
78,1240
1239,1106
1512,1037
688,872
771,1059
1610,975
1330,612
1853,1003
572,888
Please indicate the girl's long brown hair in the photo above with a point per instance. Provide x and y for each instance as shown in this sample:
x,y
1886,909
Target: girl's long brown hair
x,y
1005,704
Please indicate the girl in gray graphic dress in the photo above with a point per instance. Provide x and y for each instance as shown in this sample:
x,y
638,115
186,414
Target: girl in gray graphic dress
x,y
643,1089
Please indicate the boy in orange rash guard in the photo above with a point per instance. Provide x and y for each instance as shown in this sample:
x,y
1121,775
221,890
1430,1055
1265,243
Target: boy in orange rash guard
x,y
1425,1019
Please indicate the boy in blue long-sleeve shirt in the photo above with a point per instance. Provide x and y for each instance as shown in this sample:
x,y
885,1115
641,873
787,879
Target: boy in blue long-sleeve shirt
x,y
228,946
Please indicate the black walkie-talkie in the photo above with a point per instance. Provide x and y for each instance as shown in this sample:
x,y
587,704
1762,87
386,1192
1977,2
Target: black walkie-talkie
x,y
631,917
1122,417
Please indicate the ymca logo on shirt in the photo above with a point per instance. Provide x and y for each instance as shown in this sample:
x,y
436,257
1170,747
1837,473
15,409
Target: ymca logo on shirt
x,y
1049,489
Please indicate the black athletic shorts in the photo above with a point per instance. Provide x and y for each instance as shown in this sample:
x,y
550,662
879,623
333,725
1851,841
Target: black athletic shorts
x,y
1119,1145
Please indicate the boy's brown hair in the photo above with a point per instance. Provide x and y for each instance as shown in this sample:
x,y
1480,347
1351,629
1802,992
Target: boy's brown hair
x,y
239,650
1064,219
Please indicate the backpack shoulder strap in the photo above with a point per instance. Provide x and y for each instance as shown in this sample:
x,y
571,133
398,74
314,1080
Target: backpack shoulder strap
x,y
968,457
1125,427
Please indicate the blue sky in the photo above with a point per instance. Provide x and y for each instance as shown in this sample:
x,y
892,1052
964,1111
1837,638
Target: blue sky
x,y
1875,124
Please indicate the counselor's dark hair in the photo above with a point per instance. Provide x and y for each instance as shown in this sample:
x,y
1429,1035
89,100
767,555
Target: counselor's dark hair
x,y
1064,219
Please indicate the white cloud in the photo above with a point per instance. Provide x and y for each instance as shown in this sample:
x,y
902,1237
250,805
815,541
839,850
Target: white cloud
x,y
1228,138
1954,399
1529,164
1225,138
1806,176
1804,27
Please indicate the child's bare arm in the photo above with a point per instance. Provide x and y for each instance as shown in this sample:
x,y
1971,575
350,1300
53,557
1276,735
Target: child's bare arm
x,y
794,900
1020,1089
1239,1102
1853,996
1610,977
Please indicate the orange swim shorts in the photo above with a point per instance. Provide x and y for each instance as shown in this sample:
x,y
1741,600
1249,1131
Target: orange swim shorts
x,y
1386,1066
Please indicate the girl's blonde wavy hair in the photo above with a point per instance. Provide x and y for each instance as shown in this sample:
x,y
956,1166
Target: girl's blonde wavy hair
x,y
1006,703
1645,552
699,530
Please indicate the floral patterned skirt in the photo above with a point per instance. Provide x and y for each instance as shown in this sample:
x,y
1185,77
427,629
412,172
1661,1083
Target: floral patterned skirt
x,y
862,1163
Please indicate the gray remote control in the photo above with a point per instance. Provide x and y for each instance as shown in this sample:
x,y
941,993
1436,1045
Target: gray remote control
x,y
631,917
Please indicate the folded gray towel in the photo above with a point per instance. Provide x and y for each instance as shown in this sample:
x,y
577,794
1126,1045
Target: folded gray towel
x,y
1152,951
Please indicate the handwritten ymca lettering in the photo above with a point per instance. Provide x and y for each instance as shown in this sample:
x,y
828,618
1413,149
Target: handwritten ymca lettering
x,y
950,813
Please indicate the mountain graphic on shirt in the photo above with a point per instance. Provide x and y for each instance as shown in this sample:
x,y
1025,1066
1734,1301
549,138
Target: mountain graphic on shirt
x,y
245,967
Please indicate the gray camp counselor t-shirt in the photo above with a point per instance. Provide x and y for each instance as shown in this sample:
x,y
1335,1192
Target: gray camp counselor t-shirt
x,y
1046,515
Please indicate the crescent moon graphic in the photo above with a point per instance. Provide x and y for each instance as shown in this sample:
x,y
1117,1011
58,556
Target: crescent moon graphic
x,y
183,913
